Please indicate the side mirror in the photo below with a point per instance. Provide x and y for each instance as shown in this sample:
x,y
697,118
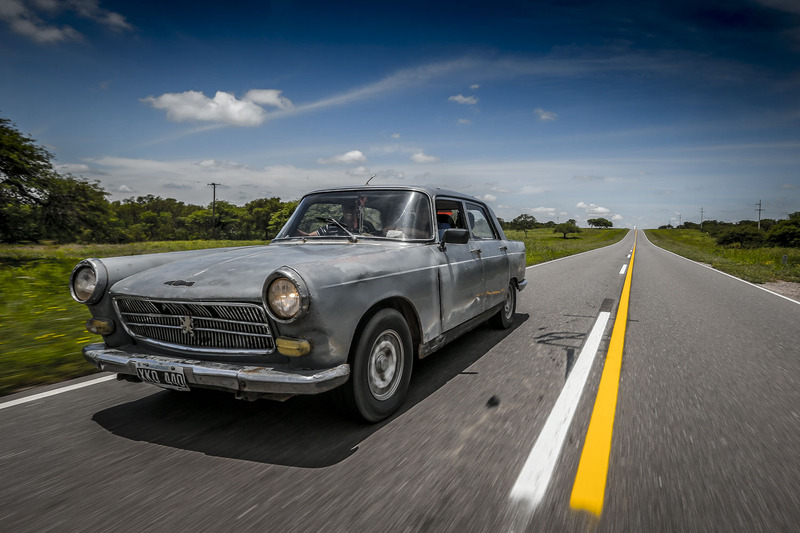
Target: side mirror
x,y
454,236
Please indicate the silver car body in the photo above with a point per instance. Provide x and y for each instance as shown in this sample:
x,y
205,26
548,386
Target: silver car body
x,y
201,319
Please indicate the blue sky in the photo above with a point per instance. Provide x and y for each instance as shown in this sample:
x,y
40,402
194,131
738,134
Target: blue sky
x,y
639,112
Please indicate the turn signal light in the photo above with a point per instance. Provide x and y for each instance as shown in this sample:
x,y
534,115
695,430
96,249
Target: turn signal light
x,y
292,347
100,326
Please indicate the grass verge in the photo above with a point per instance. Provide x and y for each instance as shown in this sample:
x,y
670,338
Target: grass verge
x,y
42,328
756,265
543,245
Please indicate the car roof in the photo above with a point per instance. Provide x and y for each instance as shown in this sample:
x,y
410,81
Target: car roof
x,y
430,191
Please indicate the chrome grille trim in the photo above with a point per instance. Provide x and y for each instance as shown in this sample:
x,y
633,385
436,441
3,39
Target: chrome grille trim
x,y
214,327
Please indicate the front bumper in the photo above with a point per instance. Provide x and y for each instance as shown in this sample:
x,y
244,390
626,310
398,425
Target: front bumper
x,y
242,379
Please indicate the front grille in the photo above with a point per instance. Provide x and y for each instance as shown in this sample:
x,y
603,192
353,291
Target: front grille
x,y
210,327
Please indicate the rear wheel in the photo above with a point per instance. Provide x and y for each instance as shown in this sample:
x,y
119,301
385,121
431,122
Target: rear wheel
x,y
381,368
505,316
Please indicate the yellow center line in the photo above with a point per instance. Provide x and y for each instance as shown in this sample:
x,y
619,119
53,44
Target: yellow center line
x,y
589,489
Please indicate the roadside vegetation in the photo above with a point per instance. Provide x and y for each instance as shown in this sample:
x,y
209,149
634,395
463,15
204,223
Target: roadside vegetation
x,y
756,264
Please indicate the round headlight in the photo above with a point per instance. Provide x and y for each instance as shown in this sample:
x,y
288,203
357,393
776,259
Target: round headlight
x,y
88,281
84,283
283,298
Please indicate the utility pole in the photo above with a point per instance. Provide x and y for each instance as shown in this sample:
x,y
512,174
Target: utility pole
x,y
214,211
701,219
679,219
759,210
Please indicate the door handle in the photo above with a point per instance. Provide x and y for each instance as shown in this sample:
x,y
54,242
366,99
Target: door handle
x,y
504,248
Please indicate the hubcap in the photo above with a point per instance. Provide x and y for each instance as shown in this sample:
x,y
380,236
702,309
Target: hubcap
x,y
509,307
385,365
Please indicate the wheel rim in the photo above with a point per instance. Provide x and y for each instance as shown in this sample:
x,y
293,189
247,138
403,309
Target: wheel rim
x,y
508,309
385,365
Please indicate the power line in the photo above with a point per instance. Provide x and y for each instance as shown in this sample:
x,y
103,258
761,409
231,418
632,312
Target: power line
x,y
759,210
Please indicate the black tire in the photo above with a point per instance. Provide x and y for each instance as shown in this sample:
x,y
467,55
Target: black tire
x,y
505,316
381,368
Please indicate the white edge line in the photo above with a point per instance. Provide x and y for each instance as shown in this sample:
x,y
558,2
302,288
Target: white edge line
x,y
723,273
53,392
531,485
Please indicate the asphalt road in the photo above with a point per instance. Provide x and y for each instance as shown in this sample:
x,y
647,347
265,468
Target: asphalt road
x,y
706,433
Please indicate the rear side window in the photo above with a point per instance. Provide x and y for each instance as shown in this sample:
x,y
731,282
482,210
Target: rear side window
x,y
480,224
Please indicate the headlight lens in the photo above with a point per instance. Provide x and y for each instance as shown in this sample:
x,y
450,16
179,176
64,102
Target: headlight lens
x,y
283,298
84,283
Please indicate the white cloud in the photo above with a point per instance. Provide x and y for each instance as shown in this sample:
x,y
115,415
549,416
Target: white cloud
x,y
616,217
72,168
545,115
466,100
593,209
529,189
547,212
421,157
25,18
353,156
270,97
194,105
395,135
474,86
489,198
464,121
220,165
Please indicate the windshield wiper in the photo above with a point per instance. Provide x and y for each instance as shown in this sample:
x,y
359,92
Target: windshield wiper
x,y
330,220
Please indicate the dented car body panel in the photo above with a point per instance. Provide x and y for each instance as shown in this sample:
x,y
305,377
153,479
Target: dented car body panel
x,y
285,318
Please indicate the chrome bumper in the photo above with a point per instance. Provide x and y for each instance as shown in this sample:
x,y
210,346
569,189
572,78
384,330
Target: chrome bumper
x,y
244,380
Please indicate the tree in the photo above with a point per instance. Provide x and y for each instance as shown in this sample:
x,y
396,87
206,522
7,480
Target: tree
x,y
786,232
744,237
280,217
38,203
524,222
600,223
567,227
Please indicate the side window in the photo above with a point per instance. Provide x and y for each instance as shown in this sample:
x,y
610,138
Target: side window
x,y
480,223
449,214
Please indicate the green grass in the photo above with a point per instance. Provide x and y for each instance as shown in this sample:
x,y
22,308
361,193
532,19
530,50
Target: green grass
x,y
756,265
543,245
42,328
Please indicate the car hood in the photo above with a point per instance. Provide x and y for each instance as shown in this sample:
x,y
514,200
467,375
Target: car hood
x,y
239,274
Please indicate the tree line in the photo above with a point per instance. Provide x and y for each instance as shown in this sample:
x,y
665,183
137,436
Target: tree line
x,y
37,203
750,233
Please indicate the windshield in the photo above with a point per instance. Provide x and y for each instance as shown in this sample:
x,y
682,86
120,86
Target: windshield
x,y
402,215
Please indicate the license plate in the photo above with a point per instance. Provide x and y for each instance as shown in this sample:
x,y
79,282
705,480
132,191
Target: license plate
x,y
165,376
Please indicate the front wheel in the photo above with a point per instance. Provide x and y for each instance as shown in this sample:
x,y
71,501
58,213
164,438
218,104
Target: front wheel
x,y
381,367
505,316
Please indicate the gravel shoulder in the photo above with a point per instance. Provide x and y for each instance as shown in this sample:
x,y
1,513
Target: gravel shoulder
x,y
785,288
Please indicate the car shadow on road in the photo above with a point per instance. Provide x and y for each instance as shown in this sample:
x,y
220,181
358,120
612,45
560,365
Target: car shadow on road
x,y
304,431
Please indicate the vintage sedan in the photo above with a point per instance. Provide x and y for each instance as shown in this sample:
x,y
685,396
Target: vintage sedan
x,y
358,284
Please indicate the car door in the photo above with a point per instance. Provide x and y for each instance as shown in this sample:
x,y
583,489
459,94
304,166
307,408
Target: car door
x,y
492,251
461,279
